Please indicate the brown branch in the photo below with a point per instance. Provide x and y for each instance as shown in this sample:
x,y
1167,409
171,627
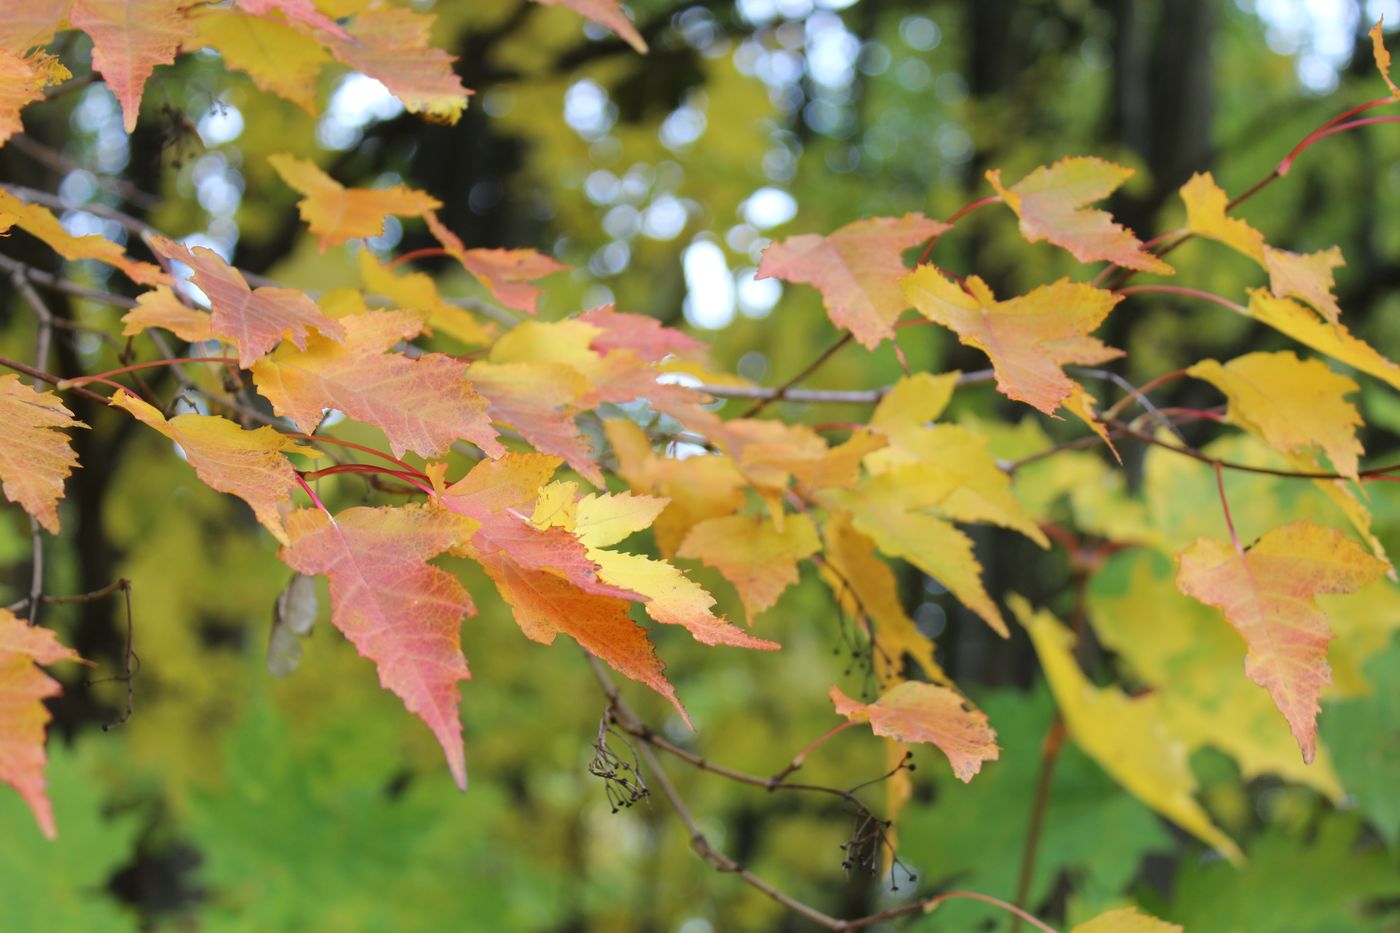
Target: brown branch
x,y
782,390
835,396
54,283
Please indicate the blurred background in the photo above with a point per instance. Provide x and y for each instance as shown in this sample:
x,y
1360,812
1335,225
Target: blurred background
x,y
231,800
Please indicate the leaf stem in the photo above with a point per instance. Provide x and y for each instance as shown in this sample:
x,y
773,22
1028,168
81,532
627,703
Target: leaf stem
x,y
149,364
957,215
424,253
1187,292
1225,506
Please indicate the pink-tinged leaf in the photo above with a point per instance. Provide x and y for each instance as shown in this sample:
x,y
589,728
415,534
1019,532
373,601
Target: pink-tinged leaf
x,y
296,11
423,405
605,13
919,712
392,45
253,320
754,554
646,337
400,612
336,213
1307,276
129,39
23,716
1269,594
35,454
857,269
1052,205
506,273
539,401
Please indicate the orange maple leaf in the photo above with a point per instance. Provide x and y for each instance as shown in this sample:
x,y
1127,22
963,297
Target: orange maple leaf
x,y
35,456
1028,338
919,712
23,716
547,589
605,13
400,612
423,405
129,39
253,320
1269,594
1050,203
336,213
22,81
247,464
39,222
754,554
857,270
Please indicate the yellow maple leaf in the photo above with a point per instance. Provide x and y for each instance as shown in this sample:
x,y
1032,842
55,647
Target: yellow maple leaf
x,y
418,292
1126,920
247,464
1335,340
39,222
160,308
895,509
1125,735
336,213
754,554
278,58
672,598
22,81
1294,405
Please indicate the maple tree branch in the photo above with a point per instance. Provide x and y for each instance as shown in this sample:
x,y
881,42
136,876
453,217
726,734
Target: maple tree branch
x,y
820,396
806,371
51,379
58,284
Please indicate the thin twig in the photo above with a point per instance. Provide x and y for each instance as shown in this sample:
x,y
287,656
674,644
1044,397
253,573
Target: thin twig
x,y
782,390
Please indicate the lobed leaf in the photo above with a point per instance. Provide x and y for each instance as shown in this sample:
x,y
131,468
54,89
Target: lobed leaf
x,y
605,13
335,213
920,712
35,454
1269,594
23,716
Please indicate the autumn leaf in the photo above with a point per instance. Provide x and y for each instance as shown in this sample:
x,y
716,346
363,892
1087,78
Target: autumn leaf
x,y
25,26
129,39
857,269
1382,56
391,45
894,510
423,405
506,273
297,11
605,13
414,291
866,589
160,308
278,58
544,574
754,554
1269,594
247,464
1126,920
35,456
400,612
23,716
336,213
1026,338
920,712
647,338
1289,317
22,81
1051,203
671,597
697,488
1308,276
539,401
1125,735
39,222
1293,405
254,320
